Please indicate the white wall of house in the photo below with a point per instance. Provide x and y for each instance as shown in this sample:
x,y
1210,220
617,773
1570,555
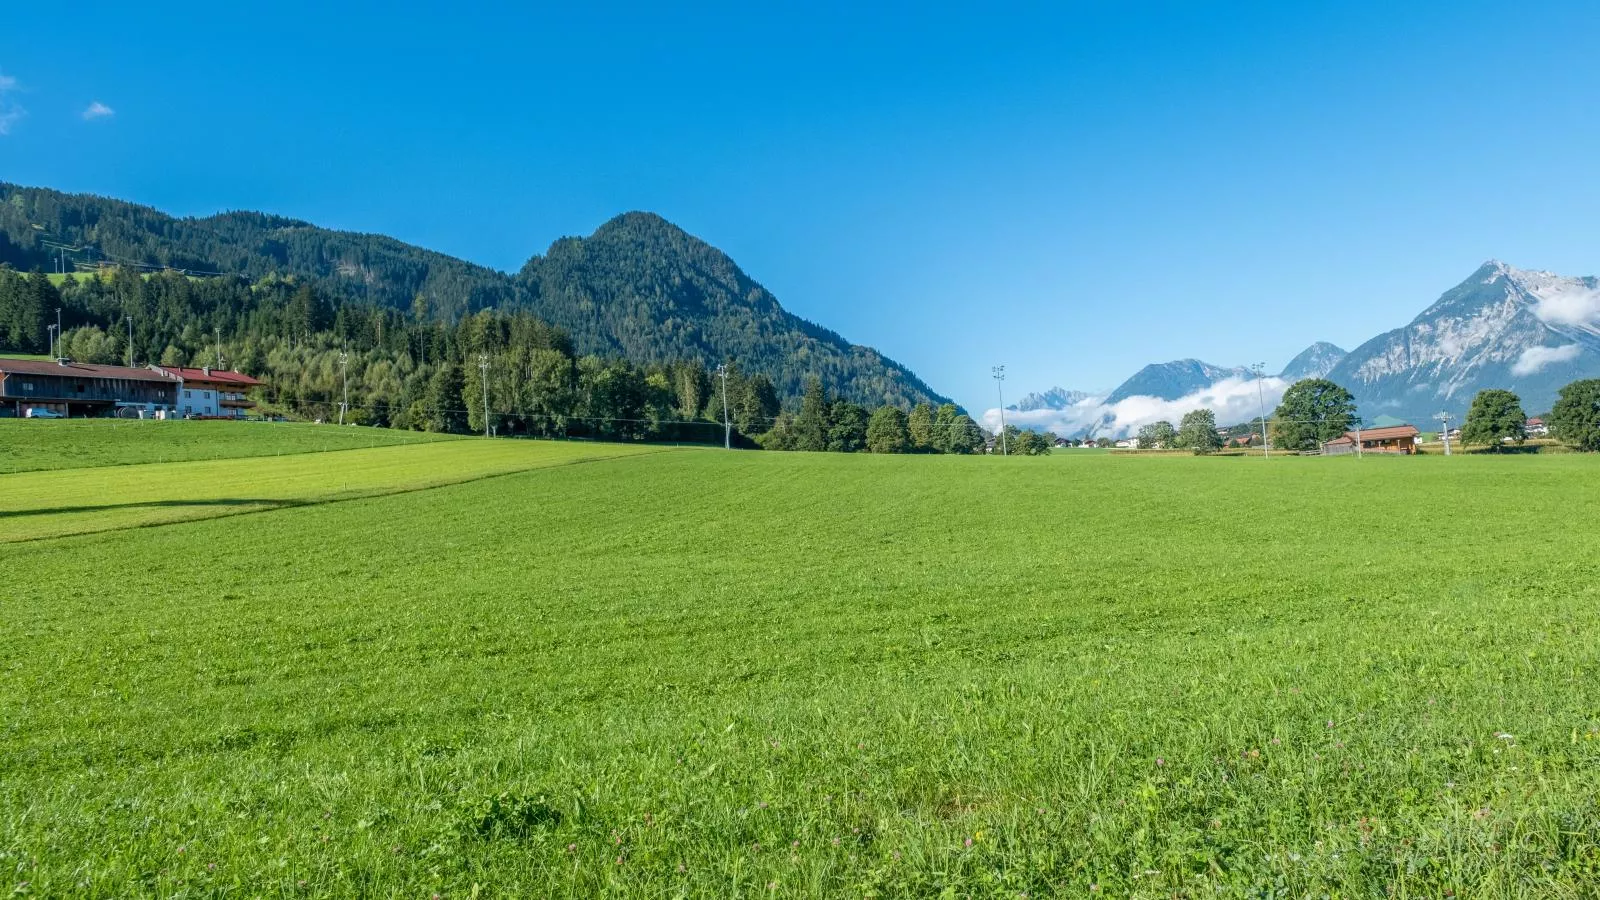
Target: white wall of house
x,y
198,402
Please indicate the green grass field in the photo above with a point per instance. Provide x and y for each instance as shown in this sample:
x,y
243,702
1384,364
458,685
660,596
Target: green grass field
x,y
32,444
698,673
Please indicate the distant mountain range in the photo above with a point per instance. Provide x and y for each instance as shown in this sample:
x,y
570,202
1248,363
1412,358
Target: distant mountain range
x,y
639,287
1527,331
1055,398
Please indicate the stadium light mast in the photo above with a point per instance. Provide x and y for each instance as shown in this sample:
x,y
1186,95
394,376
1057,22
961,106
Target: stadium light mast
x,y
999,387
344,373
1261,397
483,379
727,427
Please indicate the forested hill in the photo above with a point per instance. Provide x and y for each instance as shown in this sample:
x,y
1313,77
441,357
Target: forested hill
x,y
342,264
639,287
643,288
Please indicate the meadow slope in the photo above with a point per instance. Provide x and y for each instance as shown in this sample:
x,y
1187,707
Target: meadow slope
x,y
737,674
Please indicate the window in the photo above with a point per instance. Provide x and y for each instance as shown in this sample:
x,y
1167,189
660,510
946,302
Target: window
x,y
27,385
187,394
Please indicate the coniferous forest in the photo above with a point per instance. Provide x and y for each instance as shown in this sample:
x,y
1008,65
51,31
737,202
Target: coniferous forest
x,y
467,336
639,288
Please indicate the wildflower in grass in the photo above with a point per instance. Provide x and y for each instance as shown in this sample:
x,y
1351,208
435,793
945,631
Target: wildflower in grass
x,y
681,869
619,860
180,848
969,842
796,844
1330,723
836,842
761,805
1160,761
211,867
572,848
1276,742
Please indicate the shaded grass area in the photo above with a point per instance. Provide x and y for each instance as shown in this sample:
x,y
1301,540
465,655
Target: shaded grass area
x,y
711,674
36,444
54,503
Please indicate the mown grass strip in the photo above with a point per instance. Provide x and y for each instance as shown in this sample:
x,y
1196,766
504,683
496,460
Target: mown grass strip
x,y
55,503
28,445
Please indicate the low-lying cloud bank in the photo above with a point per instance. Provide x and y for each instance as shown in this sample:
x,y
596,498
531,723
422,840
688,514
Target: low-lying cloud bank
x,y
1234,400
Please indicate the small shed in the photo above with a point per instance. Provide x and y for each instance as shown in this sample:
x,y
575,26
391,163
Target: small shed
x,y
1398,439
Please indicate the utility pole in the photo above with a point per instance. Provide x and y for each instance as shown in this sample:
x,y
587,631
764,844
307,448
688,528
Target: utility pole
x,y
344,370
1444,430
130,340
218,333
999,387
1358,439
483,370
1261,398
59,334
727,427
51,330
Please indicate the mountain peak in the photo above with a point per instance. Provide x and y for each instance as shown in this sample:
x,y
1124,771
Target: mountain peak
x,y
1315,361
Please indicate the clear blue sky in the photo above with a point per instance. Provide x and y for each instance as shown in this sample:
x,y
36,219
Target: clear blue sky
x,y
1073,189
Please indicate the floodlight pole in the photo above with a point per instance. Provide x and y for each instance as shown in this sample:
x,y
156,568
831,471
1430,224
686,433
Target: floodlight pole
x,y
999,387
344,372
1444,430
1261,397
483,369
727,427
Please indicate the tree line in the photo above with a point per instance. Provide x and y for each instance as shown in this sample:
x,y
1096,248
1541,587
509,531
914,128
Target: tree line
x,y
510,373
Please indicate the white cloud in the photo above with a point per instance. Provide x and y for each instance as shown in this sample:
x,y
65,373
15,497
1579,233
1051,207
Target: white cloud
x,y
1233,400
98,110
1569,307
10,109
1535,359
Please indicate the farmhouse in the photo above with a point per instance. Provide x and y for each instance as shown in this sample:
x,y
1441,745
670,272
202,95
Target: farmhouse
x,y
1536,427
81,389
211,392
1390,439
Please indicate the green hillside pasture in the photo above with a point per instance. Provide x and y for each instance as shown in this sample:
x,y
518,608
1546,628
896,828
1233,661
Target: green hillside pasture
x,y
738,674
33,444
78,501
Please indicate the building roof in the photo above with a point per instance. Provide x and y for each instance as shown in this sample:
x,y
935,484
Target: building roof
x,y
1535,421
1389,433
221,376
77,370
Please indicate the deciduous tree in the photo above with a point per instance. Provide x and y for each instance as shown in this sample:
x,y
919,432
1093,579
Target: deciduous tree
x,y
1575,419
1313,411
1495,416
1198,432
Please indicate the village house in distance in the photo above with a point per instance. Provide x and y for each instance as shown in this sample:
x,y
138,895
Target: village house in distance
x,y
63,388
